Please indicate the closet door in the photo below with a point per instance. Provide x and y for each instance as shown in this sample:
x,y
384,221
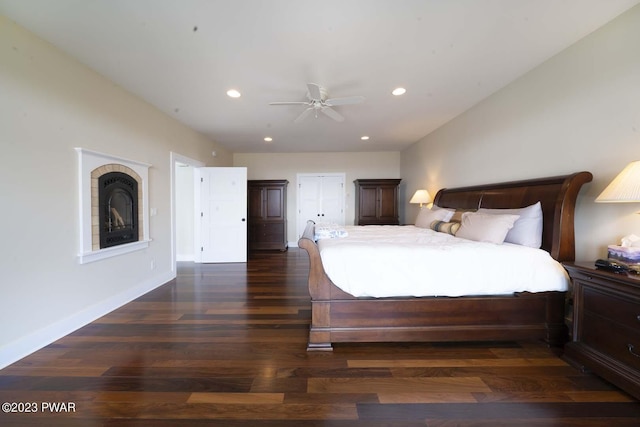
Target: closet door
x,y
332,199
320,199
309,203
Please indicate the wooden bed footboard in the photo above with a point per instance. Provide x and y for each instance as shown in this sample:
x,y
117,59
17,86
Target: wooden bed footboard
x,y
340,317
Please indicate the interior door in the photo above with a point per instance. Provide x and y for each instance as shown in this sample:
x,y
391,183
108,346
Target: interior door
x,y
221,204
309,207
333,199
320,199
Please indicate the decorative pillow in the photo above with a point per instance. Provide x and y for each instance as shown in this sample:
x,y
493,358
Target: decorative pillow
x,y
527,230
483,227
457,216
449,211
445,227
426,216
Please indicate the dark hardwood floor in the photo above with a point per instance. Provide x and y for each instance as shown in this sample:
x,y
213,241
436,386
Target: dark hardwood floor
x,y
225,345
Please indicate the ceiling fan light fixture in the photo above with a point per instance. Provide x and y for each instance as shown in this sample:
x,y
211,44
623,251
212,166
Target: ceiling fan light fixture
x,y
268,139
233,93
399,91
318,101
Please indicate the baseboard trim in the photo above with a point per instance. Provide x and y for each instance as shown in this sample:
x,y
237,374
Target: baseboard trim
x,y
184,257
26,345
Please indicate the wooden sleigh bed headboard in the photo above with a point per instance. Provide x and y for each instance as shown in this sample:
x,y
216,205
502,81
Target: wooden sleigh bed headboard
x,y
340,317
557,195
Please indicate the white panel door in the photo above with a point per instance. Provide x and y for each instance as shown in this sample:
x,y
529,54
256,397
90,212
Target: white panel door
x,y
320,199
333,199
309,188
222,210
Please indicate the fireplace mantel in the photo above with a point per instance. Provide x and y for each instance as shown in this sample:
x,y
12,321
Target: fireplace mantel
x,y
91,161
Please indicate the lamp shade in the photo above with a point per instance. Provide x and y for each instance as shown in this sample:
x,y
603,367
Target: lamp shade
x,y
420,196
625,187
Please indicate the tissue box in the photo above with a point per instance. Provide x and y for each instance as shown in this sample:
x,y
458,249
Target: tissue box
x,y
624,254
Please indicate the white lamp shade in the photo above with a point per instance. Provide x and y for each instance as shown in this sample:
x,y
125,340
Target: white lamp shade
x,y
420,196
625,187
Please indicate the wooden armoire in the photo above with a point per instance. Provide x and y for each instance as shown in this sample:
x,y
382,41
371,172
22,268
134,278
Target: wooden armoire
x,y
267,214
377,201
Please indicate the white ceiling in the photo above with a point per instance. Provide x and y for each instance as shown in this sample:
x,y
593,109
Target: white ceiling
x,y
183,55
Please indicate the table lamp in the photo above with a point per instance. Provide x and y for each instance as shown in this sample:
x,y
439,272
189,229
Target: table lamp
x,y
625,187
420,196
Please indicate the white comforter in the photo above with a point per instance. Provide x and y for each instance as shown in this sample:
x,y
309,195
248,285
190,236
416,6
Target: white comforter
x,y
388,261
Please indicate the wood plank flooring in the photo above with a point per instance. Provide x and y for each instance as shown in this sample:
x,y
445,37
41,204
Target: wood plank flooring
x,y
225,345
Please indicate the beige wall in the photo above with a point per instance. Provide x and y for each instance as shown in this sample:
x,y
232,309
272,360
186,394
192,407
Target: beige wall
x,y
49,104
578,111
288,165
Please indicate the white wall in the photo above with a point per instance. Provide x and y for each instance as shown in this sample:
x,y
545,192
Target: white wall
x,y
49,104
288,165
185,205
578,111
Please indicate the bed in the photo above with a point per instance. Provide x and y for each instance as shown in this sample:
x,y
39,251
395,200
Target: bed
x,y
340,317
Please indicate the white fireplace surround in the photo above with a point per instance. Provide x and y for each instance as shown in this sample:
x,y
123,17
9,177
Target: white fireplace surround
x,y
89,163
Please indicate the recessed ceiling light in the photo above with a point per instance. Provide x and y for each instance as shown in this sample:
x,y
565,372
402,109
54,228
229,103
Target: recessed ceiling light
x,y
268,138
364,138
399,91
233,93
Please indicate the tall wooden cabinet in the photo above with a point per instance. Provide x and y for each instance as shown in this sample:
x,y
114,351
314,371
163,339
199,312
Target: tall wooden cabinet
x,y
267,213
377,201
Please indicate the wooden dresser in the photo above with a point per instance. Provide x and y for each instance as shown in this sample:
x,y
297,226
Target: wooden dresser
x,y
377,201
606,325
267,206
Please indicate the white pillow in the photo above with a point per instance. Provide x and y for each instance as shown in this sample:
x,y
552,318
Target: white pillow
x,y
426,216
483,227
527,230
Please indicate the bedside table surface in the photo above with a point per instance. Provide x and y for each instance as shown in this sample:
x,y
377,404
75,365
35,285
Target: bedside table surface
x,y
588,267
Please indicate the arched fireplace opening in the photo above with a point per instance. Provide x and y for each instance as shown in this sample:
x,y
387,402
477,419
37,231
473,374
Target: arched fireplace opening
x,y
118,209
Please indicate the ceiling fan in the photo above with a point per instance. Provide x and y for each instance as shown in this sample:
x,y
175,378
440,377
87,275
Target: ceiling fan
x,y
318,102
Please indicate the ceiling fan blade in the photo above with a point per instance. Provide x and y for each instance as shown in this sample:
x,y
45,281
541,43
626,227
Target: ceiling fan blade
x,y
333,114
344,101
289,103
304,114
314,91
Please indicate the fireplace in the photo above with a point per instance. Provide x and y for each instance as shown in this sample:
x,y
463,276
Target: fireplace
x,y
113,205
118,209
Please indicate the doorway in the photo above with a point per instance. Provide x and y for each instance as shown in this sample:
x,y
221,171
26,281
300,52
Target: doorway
x,y
182,217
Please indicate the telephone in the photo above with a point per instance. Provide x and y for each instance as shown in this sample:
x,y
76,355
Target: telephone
x,y
613,266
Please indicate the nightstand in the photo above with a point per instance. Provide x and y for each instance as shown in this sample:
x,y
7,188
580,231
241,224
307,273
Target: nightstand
x,y
606,325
